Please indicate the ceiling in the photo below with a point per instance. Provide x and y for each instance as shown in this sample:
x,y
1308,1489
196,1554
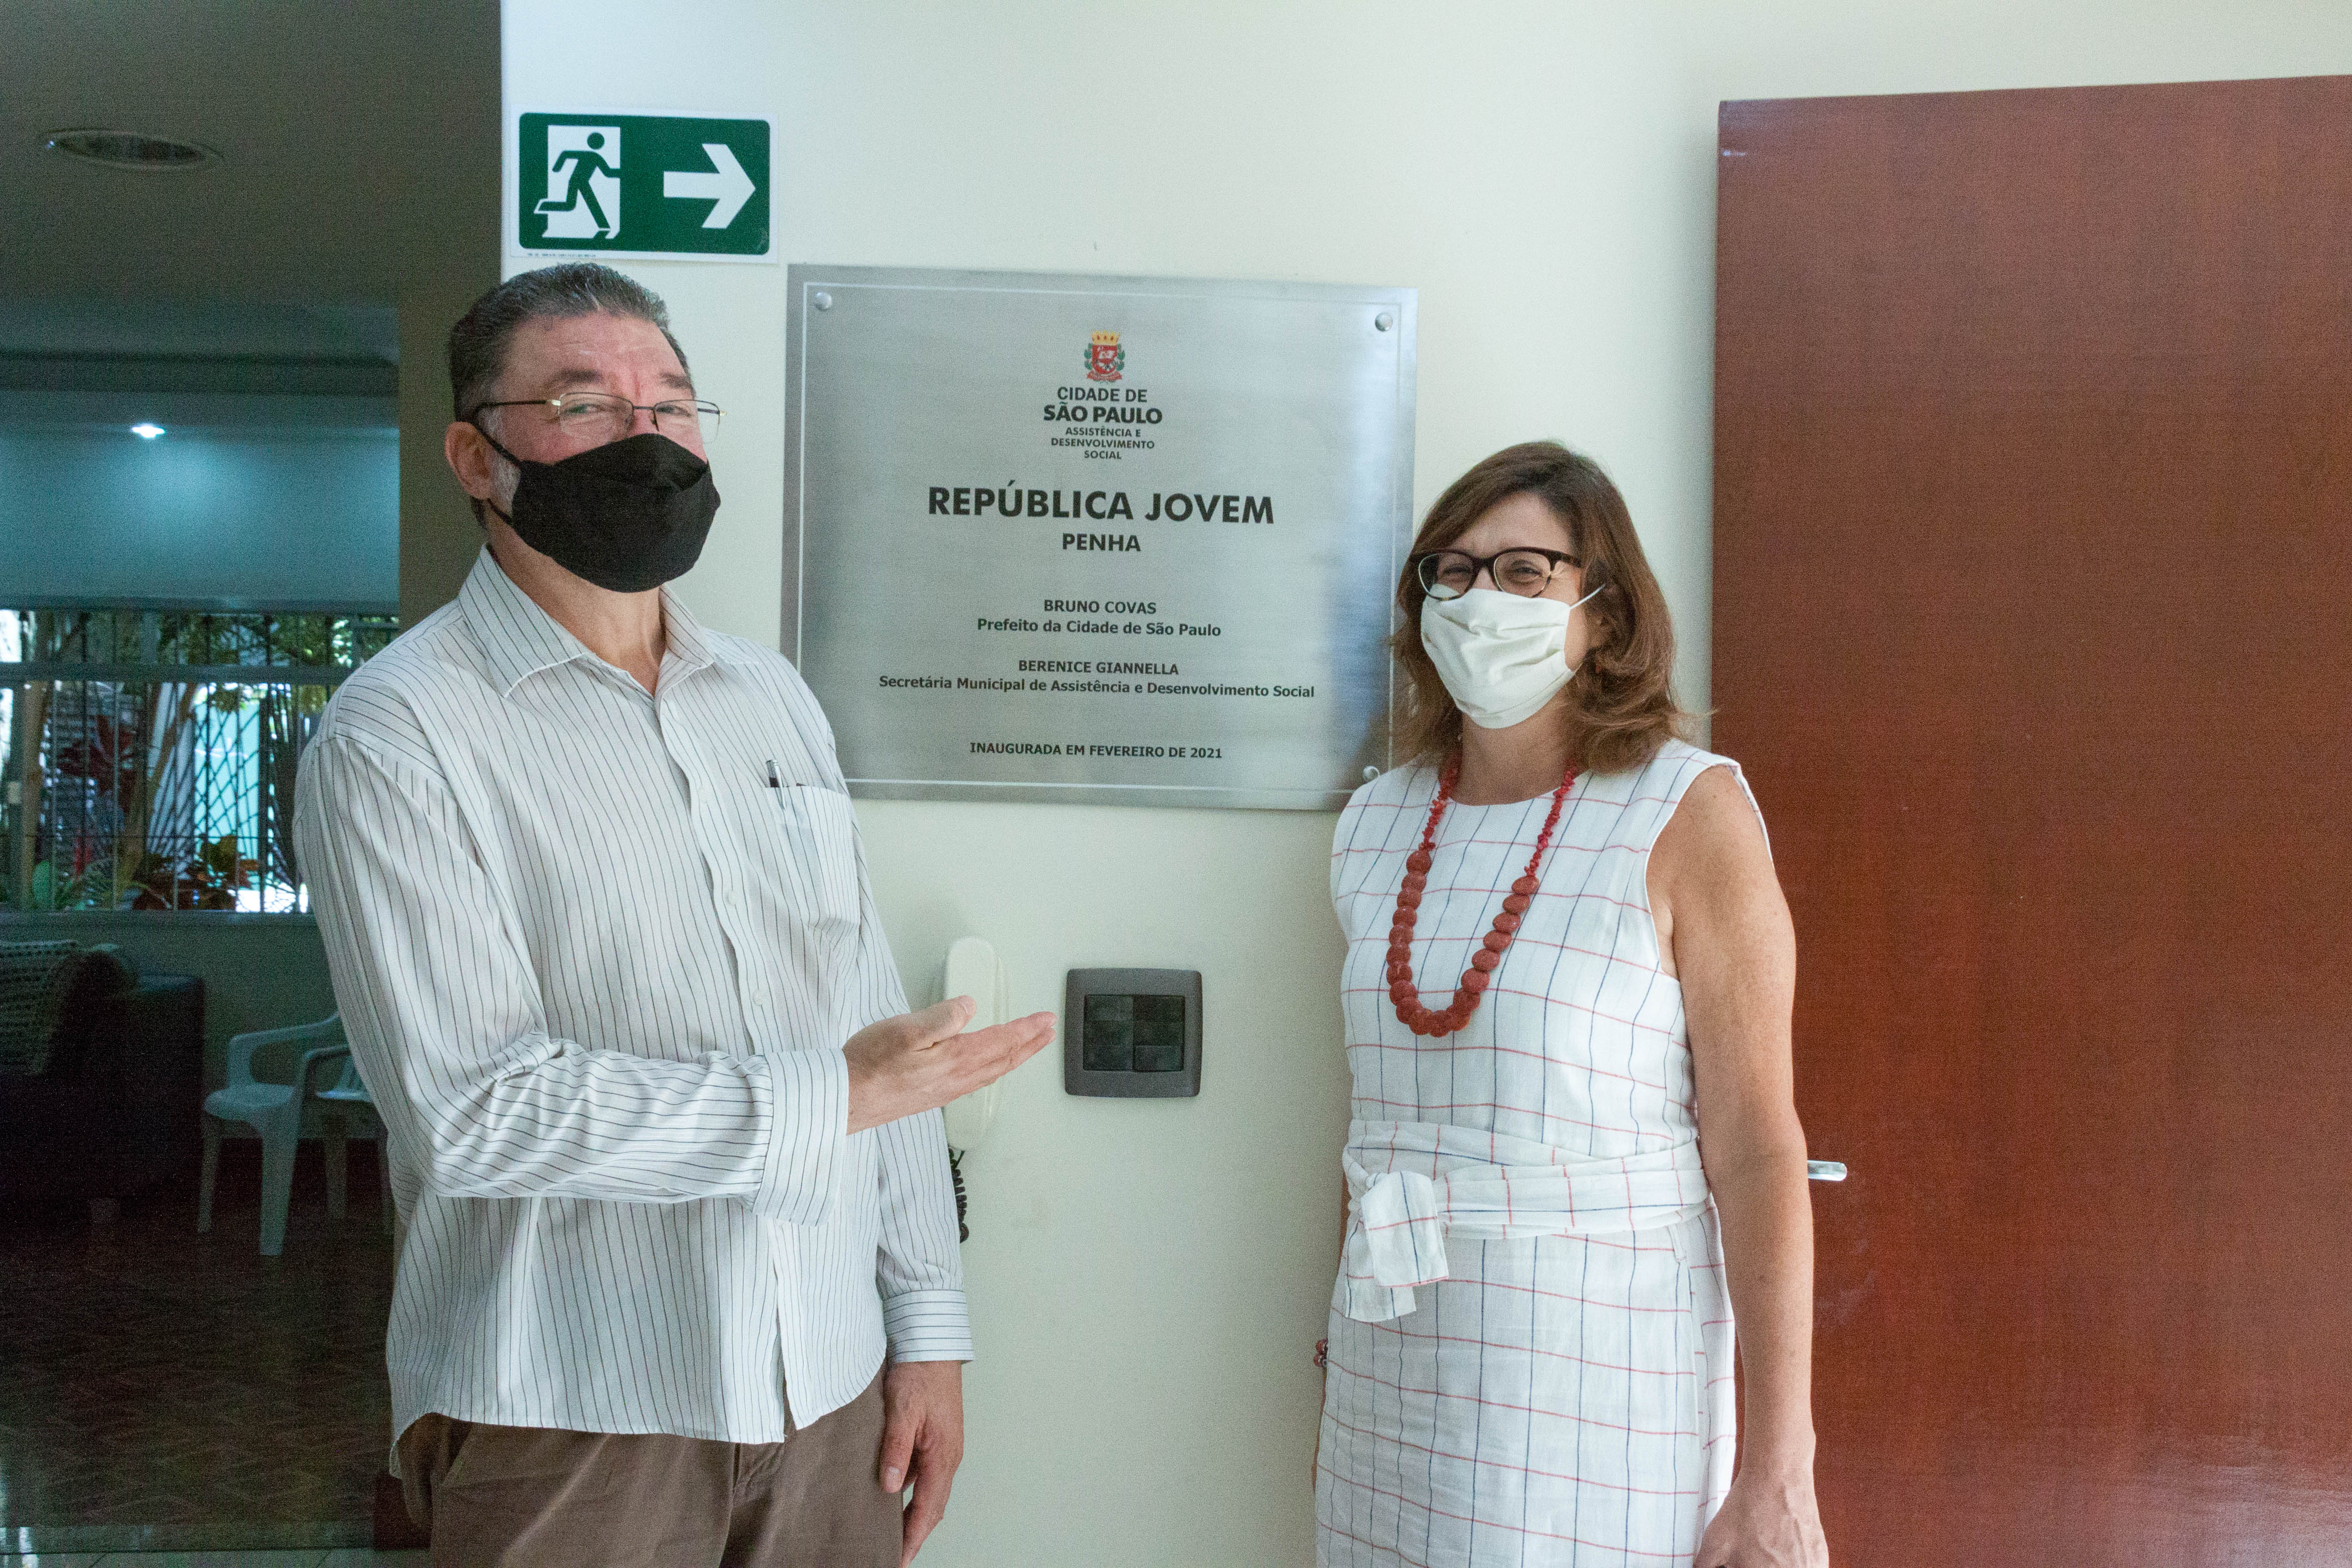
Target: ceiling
x,y
360,148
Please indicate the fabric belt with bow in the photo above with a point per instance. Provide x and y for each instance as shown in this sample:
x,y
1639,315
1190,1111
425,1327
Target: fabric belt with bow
x,y
1486,1187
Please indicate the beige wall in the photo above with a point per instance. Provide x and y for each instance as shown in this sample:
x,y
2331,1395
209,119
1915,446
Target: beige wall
x,y
450,255
438,534
1148,1279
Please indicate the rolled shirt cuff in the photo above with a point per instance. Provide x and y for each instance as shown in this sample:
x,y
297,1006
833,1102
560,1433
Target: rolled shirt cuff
x,y
811,1122
928,1325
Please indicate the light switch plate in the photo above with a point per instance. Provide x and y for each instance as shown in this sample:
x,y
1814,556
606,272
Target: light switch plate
x,y
1132,1033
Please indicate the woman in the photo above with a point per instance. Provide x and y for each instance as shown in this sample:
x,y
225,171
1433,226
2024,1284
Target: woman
x,y
1566,990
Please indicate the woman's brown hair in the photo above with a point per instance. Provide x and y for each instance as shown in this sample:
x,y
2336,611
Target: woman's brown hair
x,y
1621,702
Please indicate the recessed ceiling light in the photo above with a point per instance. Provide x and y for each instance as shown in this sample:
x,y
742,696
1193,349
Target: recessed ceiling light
x,y
147,432
129,149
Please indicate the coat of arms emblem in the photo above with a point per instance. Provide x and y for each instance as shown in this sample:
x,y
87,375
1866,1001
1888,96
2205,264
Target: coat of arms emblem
x,y
1105,358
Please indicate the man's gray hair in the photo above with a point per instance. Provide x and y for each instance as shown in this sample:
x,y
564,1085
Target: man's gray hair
x,y
478,343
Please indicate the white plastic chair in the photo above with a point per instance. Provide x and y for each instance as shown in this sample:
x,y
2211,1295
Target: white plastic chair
x,y
325,1079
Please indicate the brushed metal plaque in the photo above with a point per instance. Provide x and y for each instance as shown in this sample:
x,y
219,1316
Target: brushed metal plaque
x,y
1119,540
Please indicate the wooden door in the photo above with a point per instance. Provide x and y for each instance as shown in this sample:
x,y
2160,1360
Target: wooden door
x,y
2033,577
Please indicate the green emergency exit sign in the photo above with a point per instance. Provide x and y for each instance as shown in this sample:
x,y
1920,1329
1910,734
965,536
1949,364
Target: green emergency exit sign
x,y
643,185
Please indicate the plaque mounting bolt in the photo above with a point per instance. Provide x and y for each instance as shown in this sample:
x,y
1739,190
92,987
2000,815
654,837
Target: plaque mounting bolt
x,y
1384,321
820,300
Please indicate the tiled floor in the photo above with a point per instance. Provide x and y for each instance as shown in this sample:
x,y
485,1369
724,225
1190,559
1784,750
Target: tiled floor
x,y
348,1557
163,1389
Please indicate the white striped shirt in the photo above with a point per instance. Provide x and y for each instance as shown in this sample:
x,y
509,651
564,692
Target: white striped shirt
x,y
597,953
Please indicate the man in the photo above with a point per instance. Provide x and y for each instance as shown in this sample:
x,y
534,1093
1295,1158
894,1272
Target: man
x,y
665,1138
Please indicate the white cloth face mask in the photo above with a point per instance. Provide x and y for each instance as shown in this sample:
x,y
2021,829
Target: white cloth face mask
x,y
1502,657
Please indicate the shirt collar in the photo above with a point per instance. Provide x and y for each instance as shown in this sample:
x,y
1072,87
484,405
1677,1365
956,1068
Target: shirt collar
x,y
518,639
683,639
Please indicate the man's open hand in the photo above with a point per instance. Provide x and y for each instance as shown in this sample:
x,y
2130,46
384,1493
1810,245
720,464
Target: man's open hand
x,y
922,1442
919,1060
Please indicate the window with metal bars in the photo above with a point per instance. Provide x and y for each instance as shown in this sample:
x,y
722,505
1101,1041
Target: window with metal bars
x,y
151,754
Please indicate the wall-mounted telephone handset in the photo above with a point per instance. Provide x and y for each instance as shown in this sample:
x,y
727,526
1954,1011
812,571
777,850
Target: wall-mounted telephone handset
x,y
973,970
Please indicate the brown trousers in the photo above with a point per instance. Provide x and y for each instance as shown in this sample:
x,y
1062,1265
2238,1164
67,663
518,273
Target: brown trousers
x,y
524,1497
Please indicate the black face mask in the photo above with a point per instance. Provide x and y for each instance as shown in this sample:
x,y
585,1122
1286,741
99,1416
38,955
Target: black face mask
x,y
629,516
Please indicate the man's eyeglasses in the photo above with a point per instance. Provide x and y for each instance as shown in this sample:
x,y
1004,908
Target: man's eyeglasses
x,y
601,416
1448,574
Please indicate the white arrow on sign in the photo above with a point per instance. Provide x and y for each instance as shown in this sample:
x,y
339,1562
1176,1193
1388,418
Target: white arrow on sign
x,y
727,190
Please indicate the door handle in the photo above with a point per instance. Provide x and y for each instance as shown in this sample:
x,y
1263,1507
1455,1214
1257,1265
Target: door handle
x,y
1825,1169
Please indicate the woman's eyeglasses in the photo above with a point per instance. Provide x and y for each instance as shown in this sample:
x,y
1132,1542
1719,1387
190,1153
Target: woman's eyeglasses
x,y
1448,574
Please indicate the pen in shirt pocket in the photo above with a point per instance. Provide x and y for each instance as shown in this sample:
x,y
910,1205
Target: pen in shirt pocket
x,y
774,782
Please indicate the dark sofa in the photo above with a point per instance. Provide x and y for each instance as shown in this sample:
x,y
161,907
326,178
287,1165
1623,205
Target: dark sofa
x,y
118,1109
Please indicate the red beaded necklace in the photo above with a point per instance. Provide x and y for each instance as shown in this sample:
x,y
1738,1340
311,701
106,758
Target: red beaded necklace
x,y
1422,1020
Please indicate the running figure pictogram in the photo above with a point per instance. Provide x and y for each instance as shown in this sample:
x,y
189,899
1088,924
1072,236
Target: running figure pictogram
x,y
586,163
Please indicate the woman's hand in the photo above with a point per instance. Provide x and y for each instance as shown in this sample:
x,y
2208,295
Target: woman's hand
x,y
1767,1520
1712,886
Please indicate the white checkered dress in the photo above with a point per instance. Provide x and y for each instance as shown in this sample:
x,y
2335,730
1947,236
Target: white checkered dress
x,y
1563,1395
